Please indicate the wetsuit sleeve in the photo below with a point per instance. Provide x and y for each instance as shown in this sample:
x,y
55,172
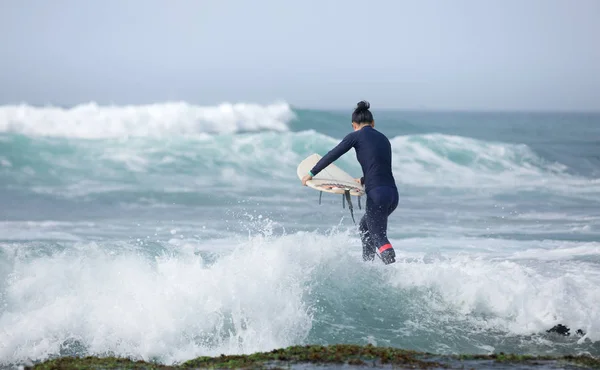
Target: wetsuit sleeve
x,y
346,144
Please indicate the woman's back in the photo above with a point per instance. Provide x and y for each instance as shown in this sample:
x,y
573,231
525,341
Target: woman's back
x,y
374,153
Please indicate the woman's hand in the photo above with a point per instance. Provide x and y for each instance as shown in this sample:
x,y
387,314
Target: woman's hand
x,y
305,179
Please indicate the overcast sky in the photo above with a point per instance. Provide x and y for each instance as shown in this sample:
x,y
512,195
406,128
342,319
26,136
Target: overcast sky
x,y
504,54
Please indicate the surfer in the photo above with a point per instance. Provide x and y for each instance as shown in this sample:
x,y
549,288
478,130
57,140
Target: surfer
x,y
374,153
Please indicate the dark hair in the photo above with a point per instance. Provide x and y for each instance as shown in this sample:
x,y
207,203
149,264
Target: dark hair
x,y
361,113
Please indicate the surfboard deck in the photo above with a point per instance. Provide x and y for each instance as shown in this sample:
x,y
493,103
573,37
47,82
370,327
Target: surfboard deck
x,y
331,180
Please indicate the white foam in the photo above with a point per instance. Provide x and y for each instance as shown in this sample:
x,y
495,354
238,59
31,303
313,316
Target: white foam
x,y
254,297
503,294
174,307
92,121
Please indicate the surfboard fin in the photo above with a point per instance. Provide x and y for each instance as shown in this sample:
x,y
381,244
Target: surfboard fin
x,y
347,197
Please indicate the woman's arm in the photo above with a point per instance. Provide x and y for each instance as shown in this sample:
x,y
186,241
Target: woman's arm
x,y
344,146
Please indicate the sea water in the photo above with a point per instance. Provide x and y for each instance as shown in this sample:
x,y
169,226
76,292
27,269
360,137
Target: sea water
x,y
169,231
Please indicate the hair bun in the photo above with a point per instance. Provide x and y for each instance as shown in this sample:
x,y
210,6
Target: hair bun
x,y
362,105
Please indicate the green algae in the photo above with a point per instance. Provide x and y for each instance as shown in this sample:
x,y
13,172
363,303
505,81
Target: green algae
x,y
586,361
346,355
91,362
335,354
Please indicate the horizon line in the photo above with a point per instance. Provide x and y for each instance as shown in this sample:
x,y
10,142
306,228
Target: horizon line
x,y
333,107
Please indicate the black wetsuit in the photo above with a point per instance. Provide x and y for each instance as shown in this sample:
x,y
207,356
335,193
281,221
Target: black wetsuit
x,y
374,153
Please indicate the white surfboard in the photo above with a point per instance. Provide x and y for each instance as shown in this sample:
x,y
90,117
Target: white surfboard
x,y
332,179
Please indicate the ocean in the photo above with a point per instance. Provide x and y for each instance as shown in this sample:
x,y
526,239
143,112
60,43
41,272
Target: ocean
x,y
170,231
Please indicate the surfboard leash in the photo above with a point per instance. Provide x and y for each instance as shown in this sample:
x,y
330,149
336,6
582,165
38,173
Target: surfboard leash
x,y
345,197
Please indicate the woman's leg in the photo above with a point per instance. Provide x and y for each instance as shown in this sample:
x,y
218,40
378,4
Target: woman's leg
x,y
381,202
365,236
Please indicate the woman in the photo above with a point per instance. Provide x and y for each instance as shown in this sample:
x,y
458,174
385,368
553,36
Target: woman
x,y
374,153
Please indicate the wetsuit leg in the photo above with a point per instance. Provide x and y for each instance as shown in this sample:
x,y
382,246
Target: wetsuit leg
x,y
367,242
381,202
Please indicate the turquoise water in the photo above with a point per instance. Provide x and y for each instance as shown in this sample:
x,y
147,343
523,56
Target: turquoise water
x,y
171,231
